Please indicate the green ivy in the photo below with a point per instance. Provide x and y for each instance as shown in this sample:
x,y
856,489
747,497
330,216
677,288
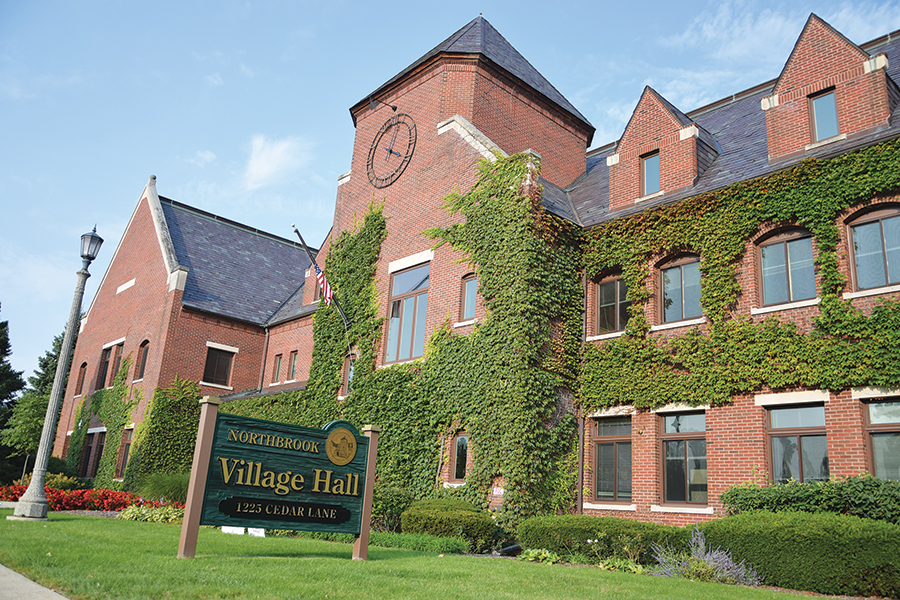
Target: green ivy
x,y
846,348
164,441
113,407
508,383
76,440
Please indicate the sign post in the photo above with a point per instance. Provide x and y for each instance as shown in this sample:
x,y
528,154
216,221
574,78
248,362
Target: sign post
x,y
209,409
254,473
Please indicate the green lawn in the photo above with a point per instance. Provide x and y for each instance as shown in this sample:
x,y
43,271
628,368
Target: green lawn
x,y
91,557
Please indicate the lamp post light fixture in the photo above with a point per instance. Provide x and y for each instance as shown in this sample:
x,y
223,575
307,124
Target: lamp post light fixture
x,y
33,503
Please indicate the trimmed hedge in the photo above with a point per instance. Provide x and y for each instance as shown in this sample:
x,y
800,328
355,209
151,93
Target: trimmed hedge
x,y
448,517
614,537
824,553
863,496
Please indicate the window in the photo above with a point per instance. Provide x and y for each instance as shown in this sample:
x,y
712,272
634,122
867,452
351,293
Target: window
x,y
876,249
116,362
650,174
612,469
124,450
347,383
824,116
86,454
788,274
684,457
612,305
460,451
469,288
883,425
292,366
406,324
141,364
799,449
276,369
79,385
103,368
681,290
218,366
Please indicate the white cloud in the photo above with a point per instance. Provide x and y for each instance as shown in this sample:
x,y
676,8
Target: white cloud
x,y
202,158
214,79
863,21
246,70
271,159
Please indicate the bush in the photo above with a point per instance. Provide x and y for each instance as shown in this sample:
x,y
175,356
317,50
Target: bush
x,y
94,499
863,496
57,481
388,504
58,465
599,538
703,563
824,553
150,514
166,487
448,517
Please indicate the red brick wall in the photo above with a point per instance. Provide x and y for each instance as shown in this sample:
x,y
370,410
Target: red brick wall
x,y
652,127
136,314
292,336
822,58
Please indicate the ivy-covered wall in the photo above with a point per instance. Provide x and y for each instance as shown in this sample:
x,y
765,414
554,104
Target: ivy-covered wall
x,y
506,383
730,356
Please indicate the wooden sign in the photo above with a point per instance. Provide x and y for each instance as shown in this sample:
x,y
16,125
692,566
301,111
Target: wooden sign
x,y
254,473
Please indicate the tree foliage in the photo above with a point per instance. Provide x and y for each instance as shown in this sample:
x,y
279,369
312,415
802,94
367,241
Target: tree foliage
x,y
11,381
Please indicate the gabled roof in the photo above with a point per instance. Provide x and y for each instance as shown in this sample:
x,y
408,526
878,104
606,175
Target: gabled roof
x,y
480,37
234,270
738,125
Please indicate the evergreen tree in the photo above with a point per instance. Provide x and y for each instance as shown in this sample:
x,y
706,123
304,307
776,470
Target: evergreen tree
x,y
42,380
10,380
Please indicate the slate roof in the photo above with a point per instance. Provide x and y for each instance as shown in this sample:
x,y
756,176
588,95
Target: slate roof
x,y
480,37
738,125
233,270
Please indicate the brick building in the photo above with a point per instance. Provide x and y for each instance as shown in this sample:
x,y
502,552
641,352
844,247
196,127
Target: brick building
x,y
174,287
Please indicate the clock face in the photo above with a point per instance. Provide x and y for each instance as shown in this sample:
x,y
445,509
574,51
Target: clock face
x,y
391,150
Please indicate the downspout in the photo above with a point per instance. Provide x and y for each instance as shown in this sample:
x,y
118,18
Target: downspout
x,y
580,490
262,373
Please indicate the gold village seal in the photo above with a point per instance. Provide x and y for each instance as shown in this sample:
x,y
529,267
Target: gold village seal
x,y
340,446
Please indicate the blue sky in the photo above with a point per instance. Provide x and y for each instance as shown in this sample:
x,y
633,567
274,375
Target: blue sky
x,y
241,108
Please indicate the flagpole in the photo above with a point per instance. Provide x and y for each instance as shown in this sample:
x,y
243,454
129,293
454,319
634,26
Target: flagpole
x,y
333,294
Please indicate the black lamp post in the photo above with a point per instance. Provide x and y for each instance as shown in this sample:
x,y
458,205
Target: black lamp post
x,y
33,503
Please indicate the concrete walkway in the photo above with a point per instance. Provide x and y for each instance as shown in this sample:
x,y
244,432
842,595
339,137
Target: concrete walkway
x,y
18,587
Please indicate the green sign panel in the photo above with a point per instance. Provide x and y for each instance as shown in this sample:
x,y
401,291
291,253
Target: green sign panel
x,y
268,474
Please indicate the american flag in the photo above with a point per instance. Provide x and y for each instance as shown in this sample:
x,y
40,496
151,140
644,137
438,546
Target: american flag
x,y
327,294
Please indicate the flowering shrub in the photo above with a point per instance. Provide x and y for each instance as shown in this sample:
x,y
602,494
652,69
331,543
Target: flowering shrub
x,y
97,499
703,563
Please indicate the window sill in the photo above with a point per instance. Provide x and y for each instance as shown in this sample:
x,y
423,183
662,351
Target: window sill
x,y
465,323
605,336
687,323
826,141
455,484
684,510
785,306
650,196
274,383
890,289
76,396
137,380
399,362
217,386
609,506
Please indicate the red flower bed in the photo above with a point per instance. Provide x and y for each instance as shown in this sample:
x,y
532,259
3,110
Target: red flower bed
x,y
109,500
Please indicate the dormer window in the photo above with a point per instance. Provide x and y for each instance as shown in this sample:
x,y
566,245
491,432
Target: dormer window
x,y
650,174
823,110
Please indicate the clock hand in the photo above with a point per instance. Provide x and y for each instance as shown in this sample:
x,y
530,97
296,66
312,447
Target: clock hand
x,y
390,148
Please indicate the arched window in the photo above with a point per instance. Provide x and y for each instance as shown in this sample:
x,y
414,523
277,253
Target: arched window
x,y
612,304
79,385
141,363
786,268
875,246
680,286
